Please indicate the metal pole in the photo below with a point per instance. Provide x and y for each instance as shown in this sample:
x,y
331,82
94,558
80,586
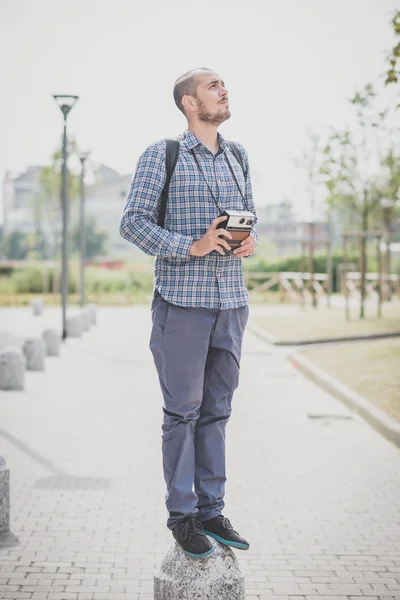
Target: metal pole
x,y
329,273
380,277
64,206
302,297
346,291
82,233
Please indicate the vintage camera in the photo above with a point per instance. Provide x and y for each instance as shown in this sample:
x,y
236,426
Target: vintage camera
x,y
239,224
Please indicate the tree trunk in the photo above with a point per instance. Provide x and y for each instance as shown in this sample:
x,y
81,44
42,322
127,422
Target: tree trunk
x,y
363,257
311,264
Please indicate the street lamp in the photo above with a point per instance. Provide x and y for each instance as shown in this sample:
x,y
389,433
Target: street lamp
x,y
82,157
65,103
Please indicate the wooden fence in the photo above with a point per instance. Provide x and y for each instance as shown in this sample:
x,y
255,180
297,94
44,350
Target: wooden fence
x,y
292,286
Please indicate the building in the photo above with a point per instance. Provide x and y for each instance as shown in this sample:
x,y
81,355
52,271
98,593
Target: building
x,y
105,201
19,194
278,225
24,206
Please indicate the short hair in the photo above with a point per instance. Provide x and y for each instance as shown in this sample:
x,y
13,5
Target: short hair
x,y
186,85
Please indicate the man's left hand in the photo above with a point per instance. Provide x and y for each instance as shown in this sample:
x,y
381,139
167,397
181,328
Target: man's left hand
x,y
246,248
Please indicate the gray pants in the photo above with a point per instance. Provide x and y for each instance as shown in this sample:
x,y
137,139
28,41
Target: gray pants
x,y
197,355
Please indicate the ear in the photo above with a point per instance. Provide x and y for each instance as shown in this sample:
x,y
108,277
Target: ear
x,y
189,103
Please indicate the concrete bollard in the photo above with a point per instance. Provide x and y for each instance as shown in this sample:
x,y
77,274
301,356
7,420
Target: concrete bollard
x,y
37,306
74,327
216,577
34,350
4,496
91,309
52,340
86,320
12,369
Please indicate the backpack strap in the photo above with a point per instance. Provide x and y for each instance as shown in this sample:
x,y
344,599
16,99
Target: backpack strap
x,y
171,158
238,155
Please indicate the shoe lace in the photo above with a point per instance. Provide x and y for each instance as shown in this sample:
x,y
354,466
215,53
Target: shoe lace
x,y
190,528
226,524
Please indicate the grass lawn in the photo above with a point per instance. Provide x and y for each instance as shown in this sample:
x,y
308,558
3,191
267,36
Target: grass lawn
x,y
101,298
370,368
293,323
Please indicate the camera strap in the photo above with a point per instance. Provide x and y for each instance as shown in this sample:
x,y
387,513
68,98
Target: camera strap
x,y
205,179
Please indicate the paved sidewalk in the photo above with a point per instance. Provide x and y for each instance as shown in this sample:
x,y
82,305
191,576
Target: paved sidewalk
x,y
318,498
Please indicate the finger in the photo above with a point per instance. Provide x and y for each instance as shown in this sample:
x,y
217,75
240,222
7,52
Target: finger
x,y
224,233
242,253
217,221
244,248
224,244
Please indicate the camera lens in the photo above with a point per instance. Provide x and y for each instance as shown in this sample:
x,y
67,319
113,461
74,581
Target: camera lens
x,y
242,220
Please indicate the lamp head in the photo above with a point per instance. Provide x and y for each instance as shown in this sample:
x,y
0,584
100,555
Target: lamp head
x,y
65,102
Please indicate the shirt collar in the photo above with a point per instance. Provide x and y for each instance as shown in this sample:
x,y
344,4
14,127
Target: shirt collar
x,y
190,140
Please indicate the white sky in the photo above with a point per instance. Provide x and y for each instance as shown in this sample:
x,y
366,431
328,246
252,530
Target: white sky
x,y
288,65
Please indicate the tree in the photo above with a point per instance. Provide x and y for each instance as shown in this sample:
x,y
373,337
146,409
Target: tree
x,y
46,205
96,240
15,246
310,161
388,191
392,75
353,161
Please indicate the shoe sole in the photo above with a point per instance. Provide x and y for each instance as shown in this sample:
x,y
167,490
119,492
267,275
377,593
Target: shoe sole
x,y
199,555
238,545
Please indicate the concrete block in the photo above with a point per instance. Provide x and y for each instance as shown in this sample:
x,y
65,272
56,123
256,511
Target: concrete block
x,y
86,320
12,368
92,310
74,327
216,577
34,350
52,340
4,496
37,306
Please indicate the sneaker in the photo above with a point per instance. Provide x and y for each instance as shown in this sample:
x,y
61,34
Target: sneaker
x,y
190,536
221,530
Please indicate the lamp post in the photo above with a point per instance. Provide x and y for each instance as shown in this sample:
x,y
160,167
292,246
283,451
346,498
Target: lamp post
x,y
65,103
82,157
386,205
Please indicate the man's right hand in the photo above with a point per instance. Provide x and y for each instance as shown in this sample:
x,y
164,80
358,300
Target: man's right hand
x,y
211,240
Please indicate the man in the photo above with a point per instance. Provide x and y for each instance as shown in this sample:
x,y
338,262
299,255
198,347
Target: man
x,y
200,305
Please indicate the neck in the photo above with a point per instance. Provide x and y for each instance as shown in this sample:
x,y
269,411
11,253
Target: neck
x,y
207,134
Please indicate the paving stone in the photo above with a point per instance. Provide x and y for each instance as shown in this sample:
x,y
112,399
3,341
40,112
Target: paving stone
x,y
319,501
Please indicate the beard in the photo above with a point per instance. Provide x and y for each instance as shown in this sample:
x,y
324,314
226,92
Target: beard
x,y
214,119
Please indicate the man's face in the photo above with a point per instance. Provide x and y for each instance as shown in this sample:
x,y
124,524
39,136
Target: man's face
x,y
212,99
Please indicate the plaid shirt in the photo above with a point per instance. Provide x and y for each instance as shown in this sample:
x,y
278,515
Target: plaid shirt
x,y
211,281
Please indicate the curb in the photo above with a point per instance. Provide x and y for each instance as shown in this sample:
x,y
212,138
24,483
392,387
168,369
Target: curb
x,y
271,339
261,333
382,422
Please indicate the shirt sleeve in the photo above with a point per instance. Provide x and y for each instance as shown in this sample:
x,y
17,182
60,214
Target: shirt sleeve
x,y
139,218
249,193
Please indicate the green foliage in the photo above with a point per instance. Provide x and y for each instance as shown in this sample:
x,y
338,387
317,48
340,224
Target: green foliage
x,y
15,245
96,240
41,279
18,245
28,280
122,280
46,205
393,73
